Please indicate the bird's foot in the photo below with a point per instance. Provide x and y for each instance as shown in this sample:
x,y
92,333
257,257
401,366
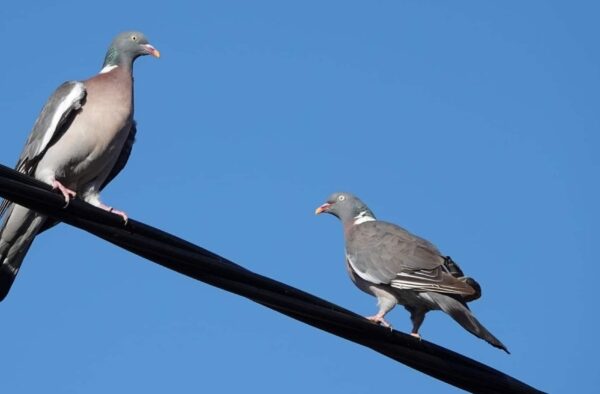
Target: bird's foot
x,y
379,320
66,192
115,211
416,335
121,214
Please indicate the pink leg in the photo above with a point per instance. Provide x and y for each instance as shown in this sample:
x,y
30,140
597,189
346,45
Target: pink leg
x,y
417,317
66,192
378,318
115,211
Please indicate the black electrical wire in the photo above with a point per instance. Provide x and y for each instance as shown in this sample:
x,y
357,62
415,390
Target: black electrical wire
x,y
201,264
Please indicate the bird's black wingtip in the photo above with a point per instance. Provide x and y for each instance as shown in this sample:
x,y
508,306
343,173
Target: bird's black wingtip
x,y
3,290
499,345
6,280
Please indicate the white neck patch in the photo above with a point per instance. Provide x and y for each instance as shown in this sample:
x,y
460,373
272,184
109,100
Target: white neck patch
x,y
362,217
108,68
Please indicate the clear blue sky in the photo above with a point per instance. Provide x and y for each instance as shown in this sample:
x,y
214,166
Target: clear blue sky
x,y
474,125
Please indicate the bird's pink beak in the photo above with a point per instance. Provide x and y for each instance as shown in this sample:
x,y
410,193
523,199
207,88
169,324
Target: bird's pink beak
x,y
151,50
322,208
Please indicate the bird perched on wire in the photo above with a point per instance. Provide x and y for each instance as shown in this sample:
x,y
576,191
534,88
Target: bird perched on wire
x,y
81,140
397,267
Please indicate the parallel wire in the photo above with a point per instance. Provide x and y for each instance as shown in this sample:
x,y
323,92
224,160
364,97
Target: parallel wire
x,y
201,264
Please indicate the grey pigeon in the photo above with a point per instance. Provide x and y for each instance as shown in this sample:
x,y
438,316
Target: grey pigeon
x,y
397,267
80,141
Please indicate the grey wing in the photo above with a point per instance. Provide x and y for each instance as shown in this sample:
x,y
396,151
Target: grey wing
x,y
435,280
52,122
119,165
382,252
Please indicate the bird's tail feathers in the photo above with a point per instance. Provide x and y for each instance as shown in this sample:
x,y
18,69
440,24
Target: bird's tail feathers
x,y
465,318
17,232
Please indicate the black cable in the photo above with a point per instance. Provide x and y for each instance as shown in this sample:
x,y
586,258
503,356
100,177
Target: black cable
x,y
201,264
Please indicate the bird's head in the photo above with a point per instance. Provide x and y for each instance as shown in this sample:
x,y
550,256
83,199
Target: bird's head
x,y
128,46
346,207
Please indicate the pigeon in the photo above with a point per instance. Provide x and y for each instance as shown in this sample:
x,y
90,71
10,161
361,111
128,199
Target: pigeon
x,y
80,141
397,267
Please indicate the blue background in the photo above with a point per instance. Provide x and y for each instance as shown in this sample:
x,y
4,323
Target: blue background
x,y
473,125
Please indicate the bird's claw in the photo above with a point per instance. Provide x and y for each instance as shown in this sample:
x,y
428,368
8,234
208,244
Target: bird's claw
x,y
67,193
380,320
415,335
121,214
115,211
